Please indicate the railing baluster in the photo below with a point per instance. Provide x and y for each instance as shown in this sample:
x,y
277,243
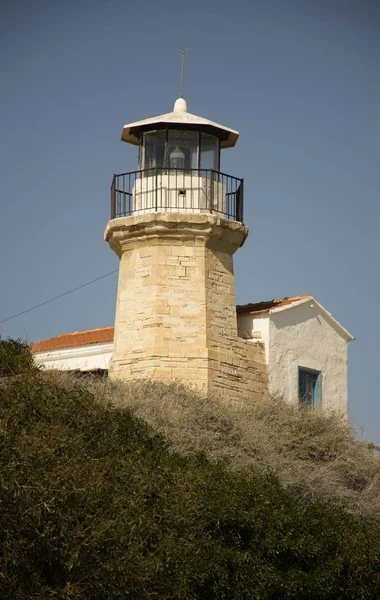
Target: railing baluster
x,y
113,198
156,187
187,190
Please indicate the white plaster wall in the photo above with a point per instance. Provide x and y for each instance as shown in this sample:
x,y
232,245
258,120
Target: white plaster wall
x,y
162,190
249,325
82,358
302,336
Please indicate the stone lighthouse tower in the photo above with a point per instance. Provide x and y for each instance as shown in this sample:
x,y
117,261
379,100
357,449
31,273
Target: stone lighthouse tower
x,y
175,224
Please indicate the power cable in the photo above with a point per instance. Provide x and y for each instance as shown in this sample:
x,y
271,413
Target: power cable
x,y
60,296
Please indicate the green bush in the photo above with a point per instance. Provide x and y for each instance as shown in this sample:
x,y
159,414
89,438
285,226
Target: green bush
x,y
96,506
315,455
15,358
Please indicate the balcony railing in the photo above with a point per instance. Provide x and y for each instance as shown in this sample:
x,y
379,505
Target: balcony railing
x,y
177,190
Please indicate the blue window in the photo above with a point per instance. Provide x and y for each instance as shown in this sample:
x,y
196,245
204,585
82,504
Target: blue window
x,y
309,387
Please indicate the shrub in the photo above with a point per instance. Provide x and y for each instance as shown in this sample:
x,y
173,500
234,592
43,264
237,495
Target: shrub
x,y
95,505
15,358
314,455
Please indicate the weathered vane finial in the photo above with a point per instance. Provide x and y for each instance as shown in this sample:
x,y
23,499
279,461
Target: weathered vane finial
x,y
183,52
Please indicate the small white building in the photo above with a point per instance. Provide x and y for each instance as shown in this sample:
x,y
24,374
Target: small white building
x,y
306,350
89,350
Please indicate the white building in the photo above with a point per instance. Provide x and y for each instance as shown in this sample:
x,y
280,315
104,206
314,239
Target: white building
x,y
306,350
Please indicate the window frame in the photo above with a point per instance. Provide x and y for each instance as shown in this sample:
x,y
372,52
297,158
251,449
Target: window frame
x,y
167,130
316,401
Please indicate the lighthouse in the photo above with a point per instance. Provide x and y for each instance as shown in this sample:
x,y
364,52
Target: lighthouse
x,y
175,225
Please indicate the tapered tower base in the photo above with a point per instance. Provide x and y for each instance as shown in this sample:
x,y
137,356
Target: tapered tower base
x,y
176,307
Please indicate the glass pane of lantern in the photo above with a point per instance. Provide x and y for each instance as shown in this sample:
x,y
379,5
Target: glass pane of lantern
x,y
153,154
209,152
183,149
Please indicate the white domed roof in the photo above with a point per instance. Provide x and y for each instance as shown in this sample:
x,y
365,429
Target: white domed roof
x,y
180,105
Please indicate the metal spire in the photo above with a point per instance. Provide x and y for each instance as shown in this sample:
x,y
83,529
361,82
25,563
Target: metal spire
x,y
183,52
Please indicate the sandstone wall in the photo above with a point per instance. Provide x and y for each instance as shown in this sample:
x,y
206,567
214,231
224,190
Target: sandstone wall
x,y
176,307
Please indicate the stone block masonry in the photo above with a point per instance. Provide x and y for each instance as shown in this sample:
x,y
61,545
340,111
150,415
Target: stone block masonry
x,y
176,306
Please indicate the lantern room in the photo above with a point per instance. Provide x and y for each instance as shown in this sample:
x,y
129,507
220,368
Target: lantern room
x,y
179,168
176,149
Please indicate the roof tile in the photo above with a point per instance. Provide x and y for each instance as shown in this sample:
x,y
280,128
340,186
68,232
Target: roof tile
x,y
78,338
267,305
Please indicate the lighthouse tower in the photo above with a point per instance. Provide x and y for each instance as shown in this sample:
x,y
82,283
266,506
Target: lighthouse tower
x,y
175,224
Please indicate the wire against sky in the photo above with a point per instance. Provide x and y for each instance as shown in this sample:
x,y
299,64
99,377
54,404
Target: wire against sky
x,y
60,296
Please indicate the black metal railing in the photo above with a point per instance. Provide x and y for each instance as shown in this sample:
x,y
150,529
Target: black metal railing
x,y
177,190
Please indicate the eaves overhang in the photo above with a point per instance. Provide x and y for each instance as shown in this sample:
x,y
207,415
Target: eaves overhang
x,y
179,120
270,307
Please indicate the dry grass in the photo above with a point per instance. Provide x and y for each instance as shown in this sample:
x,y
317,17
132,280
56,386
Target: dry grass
x,y
316,456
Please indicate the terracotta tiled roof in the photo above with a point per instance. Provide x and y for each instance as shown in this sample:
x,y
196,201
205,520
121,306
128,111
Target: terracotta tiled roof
x,y
78,338
267,305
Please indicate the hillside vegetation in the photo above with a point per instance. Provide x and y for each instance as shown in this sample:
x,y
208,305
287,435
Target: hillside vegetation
x,y
315,456
96,504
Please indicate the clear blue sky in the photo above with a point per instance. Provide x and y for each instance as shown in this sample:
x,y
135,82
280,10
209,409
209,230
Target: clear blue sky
x,y
299,79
